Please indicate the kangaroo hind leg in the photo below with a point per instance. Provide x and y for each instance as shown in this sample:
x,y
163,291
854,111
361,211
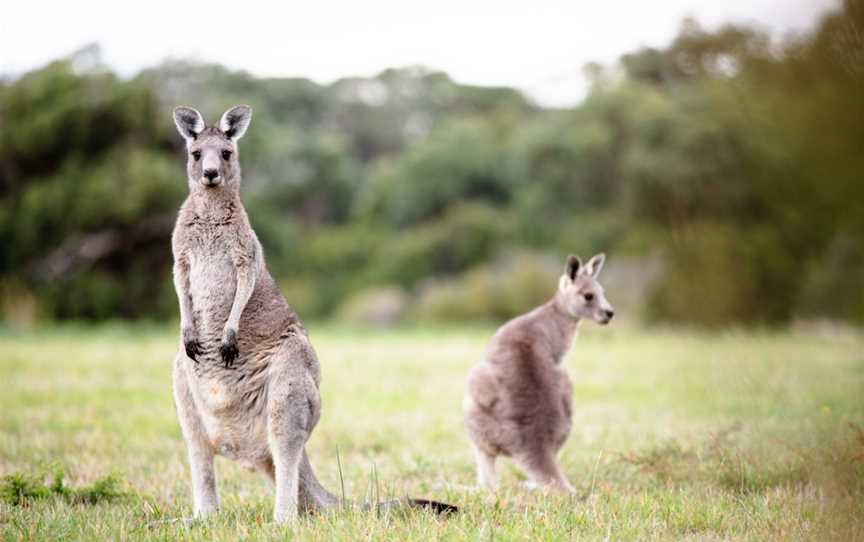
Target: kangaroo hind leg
x,y
205,498
486,476
543,469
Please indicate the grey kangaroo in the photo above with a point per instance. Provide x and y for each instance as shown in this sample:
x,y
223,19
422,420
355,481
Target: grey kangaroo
x,y
246,378
518,398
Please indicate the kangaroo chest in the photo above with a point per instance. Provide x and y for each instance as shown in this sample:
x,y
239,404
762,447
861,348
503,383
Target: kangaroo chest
x,y
212,275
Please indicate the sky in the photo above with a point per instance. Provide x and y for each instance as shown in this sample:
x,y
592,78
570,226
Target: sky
x,y
537,46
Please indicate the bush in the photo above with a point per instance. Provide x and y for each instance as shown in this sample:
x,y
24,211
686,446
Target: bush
x,y
717,274
328,265
381,306
835,282
468,234
460,161
20,488
499,291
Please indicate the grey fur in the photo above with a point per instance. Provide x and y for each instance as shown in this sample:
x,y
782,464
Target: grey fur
x,y
245,377
518,400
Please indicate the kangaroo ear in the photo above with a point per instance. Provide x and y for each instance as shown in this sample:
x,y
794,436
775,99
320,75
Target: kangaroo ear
x,y
595,264
189,122
235,121
574,264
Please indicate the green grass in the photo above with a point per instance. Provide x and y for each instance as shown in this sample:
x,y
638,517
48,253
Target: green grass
x,y
677,435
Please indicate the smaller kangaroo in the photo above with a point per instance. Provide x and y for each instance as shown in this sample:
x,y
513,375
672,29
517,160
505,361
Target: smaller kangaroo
x,y
518,398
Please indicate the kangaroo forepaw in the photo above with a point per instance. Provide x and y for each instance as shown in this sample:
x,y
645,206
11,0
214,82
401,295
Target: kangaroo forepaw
x,y
228,348
193,349
191,344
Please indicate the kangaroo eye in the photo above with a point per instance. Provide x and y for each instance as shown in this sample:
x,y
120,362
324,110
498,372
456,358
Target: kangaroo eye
x,y
589,297
226,155
196,155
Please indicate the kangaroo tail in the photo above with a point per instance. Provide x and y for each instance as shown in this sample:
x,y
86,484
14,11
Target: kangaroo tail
x,y
314,498
441,508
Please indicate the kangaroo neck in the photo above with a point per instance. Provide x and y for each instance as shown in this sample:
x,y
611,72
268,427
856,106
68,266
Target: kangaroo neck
x,y
561,328
219,204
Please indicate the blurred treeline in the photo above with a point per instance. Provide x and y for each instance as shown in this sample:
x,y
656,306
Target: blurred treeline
x,y
731,161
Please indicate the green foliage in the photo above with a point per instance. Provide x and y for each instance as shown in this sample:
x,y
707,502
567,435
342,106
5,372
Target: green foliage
x,y
334,262
86,192
468,234
834,284
21,488
792,193
563,164
715,273
733,154
497,291
309,176
461,160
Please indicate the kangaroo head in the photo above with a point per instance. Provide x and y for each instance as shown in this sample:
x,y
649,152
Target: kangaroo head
x,y
212,161
579,294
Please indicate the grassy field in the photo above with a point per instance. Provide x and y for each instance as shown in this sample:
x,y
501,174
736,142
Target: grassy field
x,y
677,435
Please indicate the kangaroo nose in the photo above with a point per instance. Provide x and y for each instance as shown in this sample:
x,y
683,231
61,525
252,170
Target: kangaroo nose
x,y
210,174
610,314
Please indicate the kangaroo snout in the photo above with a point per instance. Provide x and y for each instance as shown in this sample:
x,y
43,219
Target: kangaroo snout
x,y
211,176
608,314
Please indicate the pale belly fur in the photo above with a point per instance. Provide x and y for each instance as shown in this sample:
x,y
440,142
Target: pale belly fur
x,y
233,430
